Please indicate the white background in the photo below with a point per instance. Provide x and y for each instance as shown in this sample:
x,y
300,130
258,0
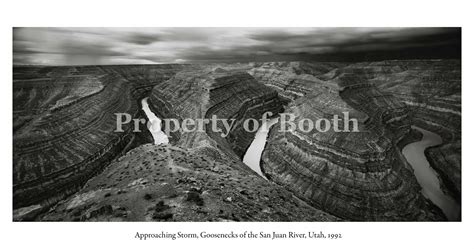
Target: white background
x,y
84,13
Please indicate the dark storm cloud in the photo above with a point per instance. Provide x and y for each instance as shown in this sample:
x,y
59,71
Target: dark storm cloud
x,y
142,39
350,39
175,45
148,35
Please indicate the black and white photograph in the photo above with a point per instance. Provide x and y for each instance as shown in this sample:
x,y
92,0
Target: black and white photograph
x,y
236,124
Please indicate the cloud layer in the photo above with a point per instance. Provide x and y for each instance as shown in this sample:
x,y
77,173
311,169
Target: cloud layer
x,y
80,46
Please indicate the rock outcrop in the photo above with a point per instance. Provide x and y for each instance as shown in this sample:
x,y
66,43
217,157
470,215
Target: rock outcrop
x,y
169,183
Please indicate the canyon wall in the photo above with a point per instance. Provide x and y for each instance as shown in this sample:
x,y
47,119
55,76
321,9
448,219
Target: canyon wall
x,y
63,136
431,90
356,175
200,177
200,94
63,125
292,79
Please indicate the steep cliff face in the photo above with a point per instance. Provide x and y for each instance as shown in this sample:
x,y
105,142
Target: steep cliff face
x,y
431,94
431,90
144,78
64,126
356,175
292,79
225,94
169,183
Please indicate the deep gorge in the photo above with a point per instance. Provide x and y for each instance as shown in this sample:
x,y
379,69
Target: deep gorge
x,y
319,176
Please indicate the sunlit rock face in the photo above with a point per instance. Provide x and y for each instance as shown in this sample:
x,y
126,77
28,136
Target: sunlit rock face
x,y
64,122
357,176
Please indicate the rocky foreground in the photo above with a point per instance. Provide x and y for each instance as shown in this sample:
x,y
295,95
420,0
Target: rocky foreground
x,y
63,138
169,183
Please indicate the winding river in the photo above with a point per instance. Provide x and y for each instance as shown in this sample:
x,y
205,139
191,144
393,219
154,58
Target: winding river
x,y
427,176
413,152
254,152
154,124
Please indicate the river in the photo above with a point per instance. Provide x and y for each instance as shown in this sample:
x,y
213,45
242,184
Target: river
x,y
254,152
427,176
159,136
413,152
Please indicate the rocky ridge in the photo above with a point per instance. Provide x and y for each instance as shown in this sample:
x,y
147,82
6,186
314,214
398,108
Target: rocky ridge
x,y
169,183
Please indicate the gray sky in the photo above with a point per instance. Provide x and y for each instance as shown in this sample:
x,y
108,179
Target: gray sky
x,y
79,46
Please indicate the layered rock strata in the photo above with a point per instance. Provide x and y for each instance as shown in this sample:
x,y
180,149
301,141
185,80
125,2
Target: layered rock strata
x,y
63,136
432,92
64,122
292,79
354,175
225,94
200,177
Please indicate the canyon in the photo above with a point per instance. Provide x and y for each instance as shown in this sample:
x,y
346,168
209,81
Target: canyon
x,y
69,165
254,151
426,176
154,125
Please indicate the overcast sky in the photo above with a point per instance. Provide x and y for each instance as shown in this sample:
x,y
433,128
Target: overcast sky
x,y
84,46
